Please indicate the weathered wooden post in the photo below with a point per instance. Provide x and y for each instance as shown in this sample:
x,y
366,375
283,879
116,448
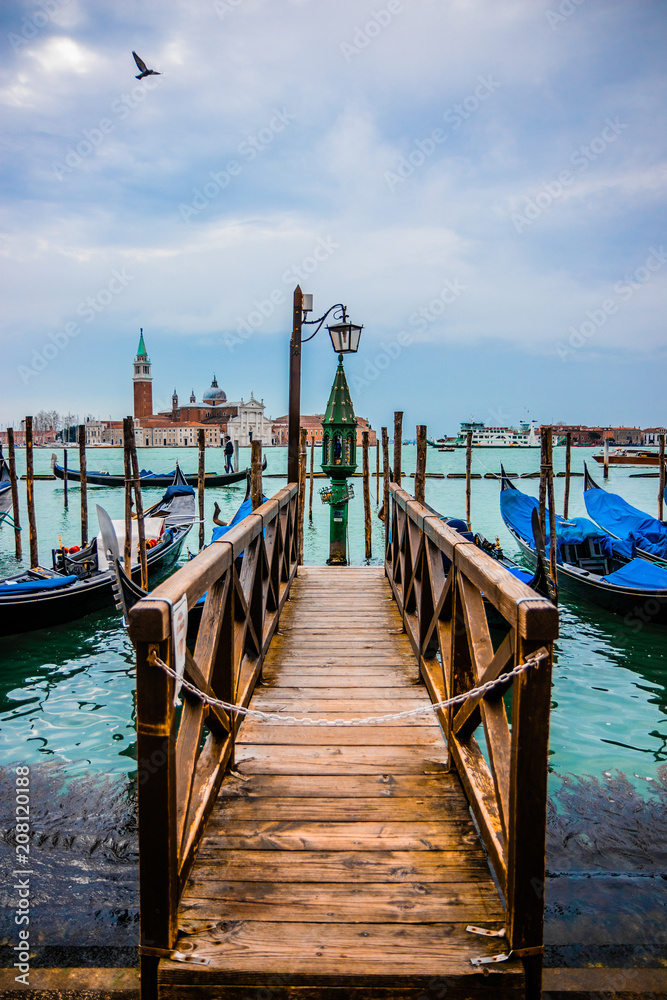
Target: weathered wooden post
x,y
385,485
236,456
543,482
661,487
420,471
294,412
367,496
553,533
256,474
566,498
468,478
138,503
377,470
127,466
312,477
201,481
398,444
65,500
18,548
605,474
84,486
30,493
303,434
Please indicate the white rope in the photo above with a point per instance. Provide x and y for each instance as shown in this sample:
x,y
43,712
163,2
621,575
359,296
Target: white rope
x,y
254,713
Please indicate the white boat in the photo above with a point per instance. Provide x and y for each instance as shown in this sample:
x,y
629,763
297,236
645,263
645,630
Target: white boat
x,y
499,437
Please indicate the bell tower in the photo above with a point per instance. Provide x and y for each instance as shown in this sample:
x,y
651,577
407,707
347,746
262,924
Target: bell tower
x,y
142,379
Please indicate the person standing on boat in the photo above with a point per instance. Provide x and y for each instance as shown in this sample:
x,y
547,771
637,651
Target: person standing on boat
x,y
229,454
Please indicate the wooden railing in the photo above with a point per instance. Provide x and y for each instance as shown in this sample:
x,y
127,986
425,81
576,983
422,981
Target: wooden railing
x,y
447,605
180,771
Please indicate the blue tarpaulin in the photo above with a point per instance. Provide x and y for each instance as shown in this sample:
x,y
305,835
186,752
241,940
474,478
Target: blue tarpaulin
x,y
28,586
243,511
178,491
616,515
517,511
640,575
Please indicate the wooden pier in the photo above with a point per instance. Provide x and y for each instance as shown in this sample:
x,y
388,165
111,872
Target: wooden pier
x,y
303,861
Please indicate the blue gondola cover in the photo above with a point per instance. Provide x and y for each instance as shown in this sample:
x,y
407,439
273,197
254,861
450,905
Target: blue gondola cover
x,y
28,586
640,575
619,517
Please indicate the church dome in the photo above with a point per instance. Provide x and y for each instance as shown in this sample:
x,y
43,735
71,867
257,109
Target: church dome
x,y
215,395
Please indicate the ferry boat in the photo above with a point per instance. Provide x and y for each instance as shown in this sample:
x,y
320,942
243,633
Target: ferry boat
x,y
499,437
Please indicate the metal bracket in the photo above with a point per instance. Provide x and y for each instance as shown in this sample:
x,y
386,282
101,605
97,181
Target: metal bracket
x,y
485,932
184,953
204,925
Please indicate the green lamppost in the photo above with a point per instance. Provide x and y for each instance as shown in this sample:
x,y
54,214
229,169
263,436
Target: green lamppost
x,y
339,460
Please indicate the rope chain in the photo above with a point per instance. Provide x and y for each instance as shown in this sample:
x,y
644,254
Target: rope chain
x,y
254,713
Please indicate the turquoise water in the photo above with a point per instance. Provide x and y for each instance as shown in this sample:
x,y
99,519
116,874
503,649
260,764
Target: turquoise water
x,y
67,709
66,694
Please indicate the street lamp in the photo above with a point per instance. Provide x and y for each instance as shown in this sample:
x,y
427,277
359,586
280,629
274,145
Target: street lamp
x,y
345,338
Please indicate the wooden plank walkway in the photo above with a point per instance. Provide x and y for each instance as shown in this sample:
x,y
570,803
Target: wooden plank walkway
x,y
342,862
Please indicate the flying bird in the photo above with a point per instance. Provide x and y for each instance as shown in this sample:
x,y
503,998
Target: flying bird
x,y
145,71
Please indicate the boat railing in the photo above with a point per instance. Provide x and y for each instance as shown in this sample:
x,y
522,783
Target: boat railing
x,y
448,590
183,752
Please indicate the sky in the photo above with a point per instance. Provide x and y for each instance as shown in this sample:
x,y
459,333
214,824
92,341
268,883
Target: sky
x,y
481,183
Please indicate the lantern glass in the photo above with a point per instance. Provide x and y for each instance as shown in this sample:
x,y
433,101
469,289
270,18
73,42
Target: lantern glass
x,y
345,337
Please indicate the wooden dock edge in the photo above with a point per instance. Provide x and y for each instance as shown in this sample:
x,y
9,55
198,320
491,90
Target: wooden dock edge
x,y
123,984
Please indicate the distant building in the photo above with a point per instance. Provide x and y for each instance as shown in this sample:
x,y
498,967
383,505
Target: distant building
x,y
652,435
313,426
583,435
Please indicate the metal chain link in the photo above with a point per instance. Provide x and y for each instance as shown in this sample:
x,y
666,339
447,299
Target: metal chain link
x,y
254,713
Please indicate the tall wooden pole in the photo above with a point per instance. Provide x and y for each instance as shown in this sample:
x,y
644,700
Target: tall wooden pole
x,y
15,493
377,470
312,477
661,487
84,485
201,481
468,478
65,499
544,458
30,493
256,474
385,486
301,480
605,474
138,504
568,455
420,471
398,444
553,545
294,415
367,496
127,464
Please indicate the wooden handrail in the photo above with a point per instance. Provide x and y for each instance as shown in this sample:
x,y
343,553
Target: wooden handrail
x,y
447,590
178,777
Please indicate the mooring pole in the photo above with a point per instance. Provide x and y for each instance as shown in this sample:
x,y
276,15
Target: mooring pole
x,y
30,493
605,474
65,500
398,444
543,480
18,547
256,473
420,471
468,478
367,495
553,539
139,506
127,465
385,486
566,498
201,482
84,485
377,471
294,415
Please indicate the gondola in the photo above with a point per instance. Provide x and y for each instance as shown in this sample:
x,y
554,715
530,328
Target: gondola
x,y
153,479
616,516
80,581
590,563
127,592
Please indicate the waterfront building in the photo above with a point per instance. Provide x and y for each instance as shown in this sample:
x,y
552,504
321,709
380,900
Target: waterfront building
x,y
313,426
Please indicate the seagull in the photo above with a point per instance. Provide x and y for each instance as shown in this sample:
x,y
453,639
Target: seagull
x,y
145,71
